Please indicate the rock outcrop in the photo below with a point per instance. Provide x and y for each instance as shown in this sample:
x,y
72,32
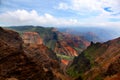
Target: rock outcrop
x,y
32,38
63,48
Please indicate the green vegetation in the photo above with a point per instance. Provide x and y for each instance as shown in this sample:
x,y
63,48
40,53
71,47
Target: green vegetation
x,y
65,57
93,52
78,49
118,42
73,73
85,60
98,78
51,44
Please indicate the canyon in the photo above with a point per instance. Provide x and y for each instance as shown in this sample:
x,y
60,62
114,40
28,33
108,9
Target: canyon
x,y
38,53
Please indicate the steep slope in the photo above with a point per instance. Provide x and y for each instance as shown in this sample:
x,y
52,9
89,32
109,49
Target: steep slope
x,y
33,43
98,62
31,62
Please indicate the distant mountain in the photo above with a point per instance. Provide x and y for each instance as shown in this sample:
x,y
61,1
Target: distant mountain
x,y
61,43
94,34
100,61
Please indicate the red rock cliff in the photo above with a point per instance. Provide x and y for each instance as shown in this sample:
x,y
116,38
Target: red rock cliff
x,y
32,38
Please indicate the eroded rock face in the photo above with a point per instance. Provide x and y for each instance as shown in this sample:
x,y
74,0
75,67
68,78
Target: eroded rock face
x,y
62,48
70,45
21,63
32,38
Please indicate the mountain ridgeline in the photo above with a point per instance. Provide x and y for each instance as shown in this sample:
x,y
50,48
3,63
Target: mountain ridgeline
x,y
95,34
61,43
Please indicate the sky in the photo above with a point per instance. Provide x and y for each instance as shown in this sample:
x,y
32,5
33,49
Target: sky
x,y
60,13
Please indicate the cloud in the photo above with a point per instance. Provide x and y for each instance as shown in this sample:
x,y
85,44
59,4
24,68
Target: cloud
x,y
67,13
90,6
24,17
97,12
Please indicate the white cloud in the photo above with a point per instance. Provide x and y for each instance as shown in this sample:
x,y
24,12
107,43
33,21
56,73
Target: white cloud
x,y
85,5
95,12
23,17
88,6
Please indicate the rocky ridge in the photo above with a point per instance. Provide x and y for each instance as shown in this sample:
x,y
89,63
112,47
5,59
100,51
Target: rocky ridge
x,y
100,61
